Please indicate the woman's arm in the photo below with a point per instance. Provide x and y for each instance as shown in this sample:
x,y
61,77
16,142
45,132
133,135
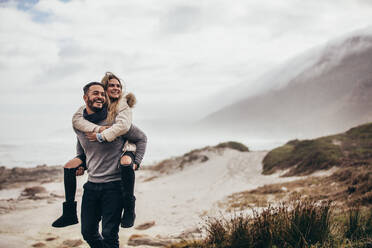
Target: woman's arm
x,y
122,123
80,123
139,138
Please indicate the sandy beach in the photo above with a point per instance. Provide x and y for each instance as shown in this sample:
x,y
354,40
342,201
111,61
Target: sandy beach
x,y
173,205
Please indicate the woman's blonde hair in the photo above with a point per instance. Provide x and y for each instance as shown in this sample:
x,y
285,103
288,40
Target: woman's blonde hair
x,y
112,105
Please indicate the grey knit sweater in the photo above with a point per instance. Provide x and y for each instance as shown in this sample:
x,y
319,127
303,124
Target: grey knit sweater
x,y
139,138
102,159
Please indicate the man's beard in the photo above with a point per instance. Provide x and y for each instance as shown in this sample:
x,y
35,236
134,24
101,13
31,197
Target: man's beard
x,y
94,109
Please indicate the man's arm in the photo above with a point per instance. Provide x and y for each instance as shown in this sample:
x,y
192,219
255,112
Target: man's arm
x,y
139,138
79,150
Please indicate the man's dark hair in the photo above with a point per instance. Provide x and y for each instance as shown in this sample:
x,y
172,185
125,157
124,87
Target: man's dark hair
x,y
86,87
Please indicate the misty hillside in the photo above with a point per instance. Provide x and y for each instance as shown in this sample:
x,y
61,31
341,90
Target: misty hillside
x,y
332,95
349,182
302,157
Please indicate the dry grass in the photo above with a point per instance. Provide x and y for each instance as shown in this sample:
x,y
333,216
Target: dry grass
x,y
300,224
346,186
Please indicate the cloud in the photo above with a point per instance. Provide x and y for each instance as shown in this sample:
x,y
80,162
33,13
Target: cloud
x,y
182,19
169,54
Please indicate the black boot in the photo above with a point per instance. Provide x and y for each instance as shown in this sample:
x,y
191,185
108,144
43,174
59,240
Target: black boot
x,y
129,215
69,216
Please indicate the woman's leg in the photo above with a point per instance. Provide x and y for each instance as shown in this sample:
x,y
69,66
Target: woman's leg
x,y
69,216
128,180
69,171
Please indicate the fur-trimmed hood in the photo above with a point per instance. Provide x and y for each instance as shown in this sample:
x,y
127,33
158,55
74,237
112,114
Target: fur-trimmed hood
x,y
131,99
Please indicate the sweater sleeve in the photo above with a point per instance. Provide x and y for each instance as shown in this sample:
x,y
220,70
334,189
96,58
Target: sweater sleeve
x,y
82,124
79,149
139,138
123,121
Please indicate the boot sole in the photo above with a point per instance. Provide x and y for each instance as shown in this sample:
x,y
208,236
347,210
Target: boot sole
x,y
67,224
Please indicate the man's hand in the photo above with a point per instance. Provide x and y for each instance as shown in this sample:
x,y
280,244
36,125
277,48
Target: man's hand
x,y
80,171
101,129
135,167
91,136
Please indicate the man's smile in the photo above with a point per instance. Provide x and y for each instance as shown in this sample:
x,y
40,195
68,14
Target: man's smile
x,y
98,101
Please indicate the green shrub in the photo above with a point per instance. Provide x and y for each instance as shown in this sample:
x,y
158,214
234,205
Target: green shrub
x,y
277,159
309,224
353,147
307,155
238,232
233,145
217,232
301,224
354,229
358,225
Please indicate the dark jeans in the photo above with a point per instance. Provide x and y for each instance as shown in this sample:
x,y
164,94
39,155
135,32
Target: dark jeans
x,y
101,201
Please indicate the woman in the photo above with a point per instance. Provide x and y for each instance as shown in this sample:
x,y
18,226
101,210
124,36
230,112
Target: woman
x,y
118,112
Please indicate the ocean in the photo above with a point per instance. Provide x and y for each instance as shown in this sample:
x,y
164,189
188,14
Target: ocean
x,y
56,151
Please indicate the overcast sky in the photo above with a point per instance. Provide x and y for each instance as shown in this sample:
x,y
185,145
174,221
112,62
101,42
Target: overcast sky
x,y
169,53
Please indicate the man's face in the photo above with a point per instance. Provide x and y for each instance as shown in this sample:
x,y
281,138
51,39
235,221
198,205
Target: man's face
x,y
95,98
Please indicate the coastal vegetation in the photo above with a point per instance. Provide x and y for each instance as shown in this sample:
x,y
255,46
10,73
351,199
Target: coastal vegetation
x,y
298,224
303,212
303,157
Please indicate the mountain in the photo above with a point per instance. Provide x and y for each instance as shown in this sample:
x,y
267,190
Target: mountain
x,y
331,94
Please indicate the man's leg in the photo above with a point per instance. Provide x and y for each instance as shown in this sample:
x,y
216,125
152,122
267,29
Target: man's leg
x,y
128,180
111,212
91,214
69,216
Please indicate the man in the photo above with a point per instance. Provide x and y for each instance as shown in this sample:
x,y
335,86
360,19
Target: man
x,y
102,198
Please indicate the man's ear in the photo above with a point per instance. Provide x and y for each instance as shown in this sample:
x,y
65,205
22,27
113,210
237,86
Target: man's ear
x,y
85,98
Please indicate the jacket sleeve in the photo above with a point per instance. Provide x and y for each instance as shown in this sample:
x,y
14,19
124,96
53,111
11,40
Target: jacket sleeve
x,y
82,124
139,138
123,121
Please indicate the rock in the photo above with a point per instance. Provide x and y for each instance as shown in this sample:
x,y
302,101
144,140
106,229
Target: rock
x,y
50,201
6,206
72,242
19,176
57,195
51,238
39,244
190,233
145,226
137,240
32,191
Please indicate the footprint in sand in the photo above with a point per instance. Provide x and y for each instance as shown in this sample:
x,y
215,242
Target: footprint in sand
x,y
51,238
71,243
39,244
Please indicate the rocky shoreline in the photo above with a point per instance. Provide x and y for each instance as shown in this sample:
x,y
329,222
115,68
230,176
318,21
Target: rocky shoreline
x,y
16,177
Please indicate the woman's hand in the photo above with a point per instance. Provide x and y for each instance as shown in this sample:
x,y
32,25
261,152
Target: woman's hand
x,y
91,136
101,129
80,171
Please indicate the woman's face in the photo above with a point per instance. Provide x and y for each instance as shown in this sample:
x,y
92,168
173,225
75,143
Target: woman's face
x,y
114,88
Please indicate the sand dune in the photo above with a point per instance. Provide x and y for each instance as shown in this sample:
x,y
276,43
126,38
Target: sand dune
x,y
176,202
